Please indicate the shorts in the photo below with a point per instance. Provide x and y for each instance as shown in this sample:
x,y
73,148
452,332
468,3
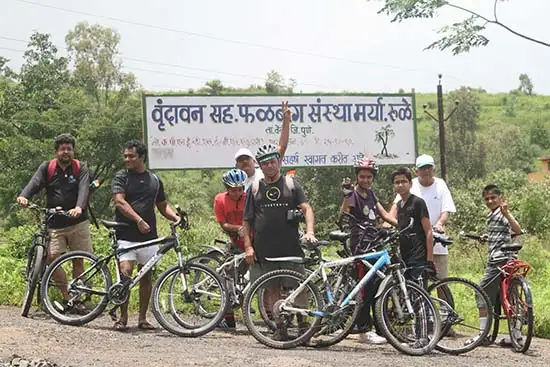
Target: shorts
x,y
73,238
264,267
442,265
140,256
491,282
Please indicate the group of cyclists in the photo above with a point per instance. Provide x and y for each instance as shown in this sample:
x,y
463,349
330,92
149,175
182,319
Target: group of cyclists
x,y
261,211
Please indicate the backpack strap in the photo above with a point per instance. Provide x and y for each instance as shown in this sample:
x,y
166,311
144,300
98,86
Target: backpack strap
x,y
255,187
52,165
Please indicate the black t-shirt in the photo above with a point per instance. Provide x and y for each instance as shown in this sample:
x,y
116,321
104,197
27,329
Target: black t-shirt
x,y
266,212
413,243
142,191
64,190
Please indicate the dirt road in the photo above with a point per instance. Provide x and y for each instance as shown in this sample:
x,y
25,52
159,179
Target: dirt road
x,y
98,345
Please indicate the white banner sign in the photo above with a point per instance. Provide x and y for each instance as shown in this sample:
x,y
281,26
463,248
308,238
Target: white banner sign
x,y
326,130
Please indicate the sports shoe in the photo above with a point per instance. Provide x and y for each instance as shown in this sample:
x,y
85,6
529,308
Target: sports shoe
x,y
370,337
280,334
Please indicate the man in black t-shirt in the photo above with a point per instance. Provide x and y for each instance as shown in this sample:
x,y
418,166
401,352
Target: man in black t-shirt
x,y
269,207
416,246
136,192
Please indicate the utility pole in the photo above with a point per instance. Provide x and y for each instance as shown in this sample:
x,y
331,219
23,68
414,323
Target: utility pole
x,y
441,119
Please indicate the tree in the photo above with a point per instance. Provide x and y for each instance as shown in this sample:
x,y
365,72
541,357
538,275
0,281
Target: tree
x,y
525,84
538,134
459,37
508,147
382,136
214,87
275,84
465,155
98,68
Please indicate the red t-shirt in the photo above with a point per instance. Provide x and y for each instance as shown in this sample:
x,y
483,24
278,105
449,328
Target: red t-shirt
x,y
231,212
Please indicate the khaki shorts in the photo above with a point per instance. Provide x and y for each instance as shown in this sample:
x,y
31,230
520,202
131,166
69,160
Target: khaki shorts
x,y
442,265
259,269
75,237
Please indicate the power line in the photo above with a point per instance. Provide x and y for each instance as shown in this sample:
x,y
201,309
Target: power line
x,y
222,39
178,66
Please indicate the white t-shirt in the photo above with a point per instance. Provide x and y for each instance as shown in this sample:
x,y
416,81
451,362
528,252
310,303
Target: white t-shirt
x,y
257,176
438,200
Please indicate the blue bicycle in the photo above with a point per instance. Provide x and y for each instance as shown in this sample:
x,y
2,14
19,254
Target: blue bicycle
x,y
404,311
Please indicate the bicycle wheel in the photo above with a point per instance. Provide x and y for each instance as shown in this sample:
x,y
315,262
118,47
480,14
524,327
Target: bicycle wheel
x,y
337,325
521,303
71,301
279,284
201,295
35,267
420,330
496,321
457,301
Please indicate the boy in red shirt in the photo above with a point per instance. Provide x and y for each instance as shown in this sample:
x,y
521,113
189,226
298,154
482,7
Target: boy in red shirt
x,y
229,210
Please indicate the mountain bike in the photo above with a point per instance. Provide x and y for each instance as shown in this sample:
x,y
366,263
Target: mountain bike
x,y
400,303
515,301
95,285
37,255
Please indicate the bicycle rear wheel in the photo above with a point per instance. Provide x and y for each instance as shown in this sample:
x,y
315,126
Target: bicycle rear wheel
x,y
34,269
196,291
521,302
72,298
458,301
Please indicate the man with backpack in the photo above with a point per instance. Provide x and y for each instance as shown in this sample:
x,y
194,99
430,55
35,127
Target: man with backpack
x,y
136,192
66,181
270,215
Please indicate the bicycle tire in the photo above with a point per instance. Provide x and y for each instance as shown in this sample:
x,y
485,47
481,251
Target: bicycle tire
x,y
346,330
188,330
36,268
381,316
247,306
52,310
518,347
446,326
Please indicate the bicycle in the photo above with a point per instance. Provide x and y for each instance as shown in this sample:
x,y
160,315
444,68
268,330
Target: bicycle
x,y
516,309
457,318
394,306
190,297
37,255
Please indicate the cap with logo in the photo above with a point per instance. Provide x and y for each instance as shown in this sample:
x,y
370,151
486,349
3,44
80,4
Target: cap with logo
x,y
243,152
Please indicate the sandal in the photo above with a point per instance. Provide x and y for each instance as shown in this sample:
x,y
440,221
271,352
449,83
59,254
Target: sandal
x,y
144,325
120,326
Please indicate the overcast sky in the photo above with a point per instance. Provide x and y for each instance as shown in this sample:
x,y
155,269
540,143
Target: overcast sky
x,y
326,45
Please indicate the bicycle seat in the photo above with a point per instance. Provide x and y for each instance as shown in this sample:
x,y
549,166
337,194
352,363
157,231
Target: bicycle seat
x,y
512,247
338,236
442,239
109,224
291,259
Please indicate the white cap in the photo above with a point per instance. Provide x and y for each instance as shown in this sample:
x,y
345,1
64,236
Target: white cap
x,y
244,151
424,160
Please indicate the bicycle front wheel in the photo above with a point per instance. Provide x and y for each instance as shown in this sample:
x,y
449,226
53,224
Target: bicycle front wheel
x,y
458,301
293,324
520,320
35,267
414,332
189,301
75,288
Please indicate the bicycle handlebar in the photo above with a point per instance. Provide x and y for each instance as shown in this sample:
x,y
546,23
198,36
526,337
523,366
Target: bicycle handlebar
x,y
49,211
